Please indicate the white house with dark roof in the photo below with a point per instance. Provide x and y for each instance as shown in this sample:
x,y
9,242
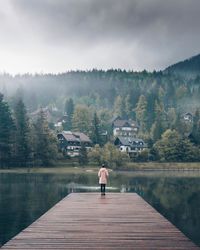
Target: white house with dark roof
x,y
71,142
60,121
188,117
130,145
127,128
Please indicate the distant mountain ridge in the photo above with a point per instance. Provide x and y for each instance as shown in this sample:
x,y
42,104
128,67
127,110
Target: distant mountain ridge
x,y
189,68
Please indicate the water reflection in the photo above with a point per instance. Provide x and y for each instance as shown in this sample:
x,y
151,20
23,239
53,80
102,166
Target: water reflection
x,y
25,197
75,187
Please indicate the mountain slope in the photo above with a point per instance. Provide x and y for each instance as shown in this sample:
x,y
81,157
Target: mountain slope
x,y
189,68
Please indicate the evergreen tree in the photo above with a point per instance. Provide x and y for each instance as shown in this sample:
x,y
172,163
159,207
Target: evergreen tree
x,y
151,109
158,126
179,124
119,107
83,158
46,151
6,134
22,144
128,107
141,113
81,119
95,130
171,116
69,111
195,134
156,130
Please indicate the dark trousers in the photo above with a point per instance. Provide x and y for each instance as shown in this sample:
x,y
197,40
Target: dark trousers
x,y
103,188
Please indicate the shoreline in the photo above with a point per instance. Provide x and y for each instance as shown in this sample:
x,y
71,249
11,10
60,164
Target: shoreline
x,y
133,168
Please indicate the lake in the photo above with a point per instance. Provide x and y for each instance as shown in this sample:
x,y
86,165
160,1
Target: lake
x,y
25,197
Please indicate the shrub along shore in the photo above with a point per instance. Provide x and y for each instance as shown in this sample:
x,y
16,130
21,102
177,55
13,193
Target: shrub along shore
x,y
130,167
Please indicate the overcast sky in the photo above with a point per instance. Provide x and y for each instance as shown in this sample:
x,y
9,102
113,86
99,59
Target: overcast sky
x,y
61,35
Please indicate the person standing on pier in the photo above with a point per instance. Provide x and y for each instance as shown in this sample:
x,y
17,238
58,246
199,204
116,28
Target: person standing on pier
x,y
103,175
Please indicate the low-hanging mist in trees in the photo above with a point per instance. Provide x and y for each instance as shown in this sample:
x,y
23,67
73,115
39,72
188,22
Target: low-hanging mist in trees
x,y
156,101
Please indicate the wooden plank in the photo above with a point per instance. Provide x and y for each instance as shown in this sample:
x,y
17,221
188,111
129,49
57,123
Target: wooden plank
x,y
90,221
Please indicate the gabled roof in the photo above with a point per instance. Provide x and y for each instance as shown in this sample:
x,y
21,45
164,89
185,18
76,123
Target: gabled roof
x,y
76,136
83,137
129,141
69,136
63,118
119,123
115,118
188,114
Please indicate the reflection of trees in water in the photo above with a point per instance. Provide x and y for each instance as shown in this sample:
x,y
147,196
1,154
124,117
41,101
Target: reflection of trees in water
x,y
178,199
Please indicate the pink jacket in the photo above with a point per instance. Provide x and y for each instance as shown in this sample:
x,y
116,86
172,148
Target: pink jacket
x,y
103,175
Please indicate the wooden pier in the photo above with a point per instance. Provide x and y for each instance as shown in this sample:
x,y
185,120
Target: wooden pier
x,y
114,221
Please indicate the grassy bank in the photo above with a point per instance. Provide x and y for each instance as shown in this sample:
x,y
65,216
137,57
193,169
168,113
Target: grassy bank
x,y
163,166
52,170
64,169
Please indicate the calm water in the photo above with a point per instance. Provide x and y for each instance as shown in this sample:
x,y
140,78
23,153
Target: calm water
x,y
25,197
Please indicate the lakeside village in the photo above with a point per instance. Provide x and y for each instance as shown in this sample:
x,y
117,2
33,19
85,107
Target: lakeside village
x,y
49,137
125,139
124,136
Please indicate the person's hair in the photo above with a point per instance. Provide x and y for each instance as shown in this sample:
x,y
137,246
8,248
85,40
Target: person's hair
x,y
103,166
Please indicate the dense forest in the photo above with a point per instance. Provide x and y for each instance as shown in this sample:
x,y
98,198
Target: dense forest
x,y
157,101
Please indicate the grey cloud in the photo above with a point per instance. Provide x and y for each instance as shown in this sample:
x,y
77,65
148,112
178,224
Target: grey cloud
x,y
109,17
149,33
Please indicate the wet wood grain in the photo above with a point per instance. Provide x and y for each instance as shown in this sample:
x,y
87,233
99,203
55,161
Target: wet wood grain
x,y
90,221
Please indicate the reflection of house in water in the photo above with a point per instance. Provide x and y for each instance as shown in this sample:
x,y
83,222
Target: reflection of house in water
x,y
130,145
71,142
124,127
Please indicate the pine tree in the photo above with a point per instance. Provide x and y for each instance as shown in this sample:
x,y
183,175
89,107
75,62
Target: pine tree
x,y
83,158
141,113
171,116
6,132
179,125
195,134
128,107
81,119
69,111
46,150
95,130
119,107
156,130
22,144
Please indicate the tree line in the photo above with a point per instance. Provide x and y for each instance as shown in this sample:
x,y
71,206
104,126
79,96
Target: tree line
x,y
168,135
156,101
22,142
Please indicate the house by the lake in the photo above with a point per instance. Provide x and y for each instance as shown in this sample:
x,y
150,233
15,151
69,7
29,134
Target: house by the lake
x,y
60,121
71,142
127,128
130,145
188,117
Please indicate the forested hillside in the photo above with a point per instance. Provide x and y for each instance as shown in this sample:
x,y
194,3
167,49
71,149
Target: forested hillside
x,y
101,89
189,68
157,101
